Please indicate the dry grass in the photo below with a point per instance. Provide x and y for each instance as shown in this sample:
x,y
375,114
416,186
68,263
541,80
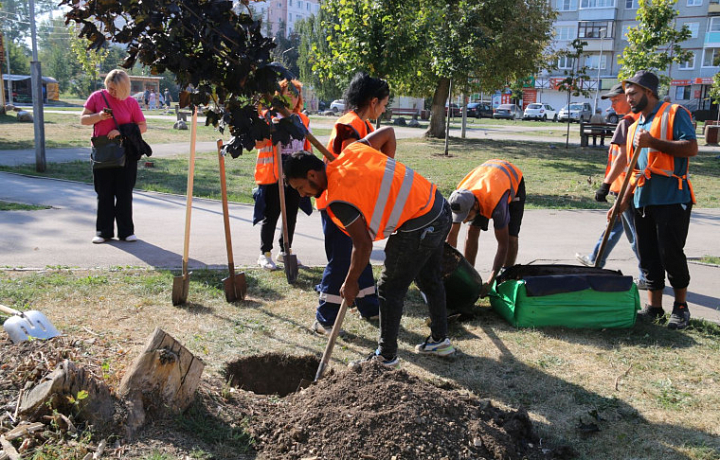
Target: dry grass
x,y
652,393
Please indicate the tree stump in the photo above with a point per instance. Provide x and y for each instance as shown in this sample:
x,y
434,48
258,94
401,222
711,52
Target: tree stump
x,y
164,377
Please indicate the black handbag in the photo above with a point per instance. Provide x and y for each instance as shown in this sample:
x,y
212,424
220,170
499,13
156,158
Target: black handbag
x,y
108,153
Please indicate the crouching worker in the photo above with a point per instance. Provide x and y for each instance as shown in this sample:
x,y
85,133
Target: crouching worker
x,y
372,197
494,190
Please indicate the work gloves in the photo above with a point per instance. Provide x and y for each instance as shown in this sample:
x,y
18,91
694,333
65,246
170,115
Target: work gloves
x,y
602,192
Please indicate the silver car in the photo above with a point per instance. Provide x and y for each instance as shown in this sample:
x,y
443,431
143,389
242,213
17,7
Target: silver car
x,y
507,111
576,111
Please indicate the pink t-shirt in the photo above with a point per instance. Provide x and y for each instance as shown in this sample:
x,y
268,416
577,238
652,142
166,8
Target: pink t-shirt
x,y
126,111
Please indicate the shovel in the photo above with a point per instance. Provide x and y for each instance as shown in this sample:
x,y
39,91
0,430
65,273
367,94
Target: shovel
x,y
26,324
290,259
181,283
235,285
614,215
304,383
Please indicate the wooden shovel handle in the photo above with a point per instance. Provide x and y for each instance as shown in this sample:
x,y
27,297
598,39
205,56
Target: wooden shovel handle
x,y
281,192
188,210
226,212
10,311
331,340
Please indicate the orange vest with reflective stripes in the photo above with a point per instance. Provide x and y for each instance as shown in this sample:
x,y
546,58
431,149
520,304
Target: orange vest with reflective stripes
x,y
658,162
387,193
266,169
334,145
489,182
613,153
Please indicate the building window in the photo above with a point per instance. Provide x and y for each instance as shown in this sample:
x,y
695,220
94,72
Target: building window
x,y
565,32
300,4
694,2
709,56
565,62
289,2
694,29
591,61
682,92
587,4
631,4
594,30
290,16
307,6
566,5
714,24
687,65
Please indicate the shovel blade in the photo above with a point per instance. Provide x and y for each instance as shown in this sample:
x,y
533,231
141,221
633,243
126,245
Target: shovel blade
x,y
235,287
31,324
291,268
181,286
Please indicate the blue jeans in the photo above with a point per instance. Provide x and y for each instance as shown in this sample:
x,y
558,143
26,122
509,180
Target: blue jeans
x,y
338,248
413,256
625,224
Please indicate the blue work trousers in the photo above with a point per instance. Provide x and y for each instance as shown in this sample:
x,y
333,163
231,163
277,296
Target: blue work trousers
x,y
624,224
338,248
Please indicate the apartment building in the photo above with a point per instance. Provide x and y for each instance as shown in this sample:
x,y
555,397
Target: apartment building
x,y
276,13
603,24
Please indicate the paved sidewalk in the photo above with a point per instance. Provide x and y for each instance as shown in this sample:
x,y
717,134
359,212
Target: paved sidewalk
x,y
60,236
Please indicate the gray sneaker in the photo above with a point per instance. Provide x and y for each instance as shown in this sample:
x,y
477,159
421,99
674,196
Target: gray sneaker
x,y
680,317
650,314
585,260
431,347
393,363
321,329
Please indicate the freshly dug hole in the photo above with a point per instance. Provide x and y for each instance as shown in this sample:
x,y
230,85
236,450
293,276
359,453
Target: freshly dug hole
x,y
272,373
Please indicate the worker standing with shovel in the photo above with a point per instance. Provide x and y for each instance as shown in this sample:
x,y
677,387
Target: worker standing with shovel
x,y
370,197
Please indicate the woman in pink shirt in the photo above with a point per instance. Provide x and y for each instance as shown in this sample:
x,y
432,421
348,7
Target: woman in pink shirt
x,y
114,186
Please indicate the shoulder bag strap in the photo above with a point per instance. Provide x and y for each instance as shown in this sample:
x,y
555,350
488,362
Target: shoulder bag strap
x,y
111,113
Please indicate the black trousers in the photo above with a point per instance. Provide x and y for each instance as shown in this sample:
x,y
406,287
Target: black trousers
x,y
661,234
114,188
272,213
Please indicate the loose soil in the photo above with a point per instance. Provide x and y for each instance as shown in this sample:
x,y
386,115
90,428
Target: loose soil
x,y
367,412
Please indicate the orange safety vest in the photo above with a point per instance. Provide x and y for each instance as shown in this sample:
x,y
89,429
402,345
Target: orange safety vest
x,y
613,153
266,169
334,145
386,192
489,182
658,162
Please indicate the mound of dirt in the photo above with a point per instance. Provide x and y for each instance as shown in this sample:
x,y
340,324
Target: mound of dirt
x,y
366,413
375,413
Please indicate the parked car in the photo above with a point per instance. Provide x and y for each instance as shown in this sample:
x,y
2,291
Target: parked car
x,y
540,111
576,111
456,111
611,116
338,105
140,97
508,112
479,110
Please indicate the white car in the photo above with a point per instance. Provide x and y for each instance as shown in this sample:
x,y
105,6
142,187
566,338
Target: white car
x,y
540,111
338,105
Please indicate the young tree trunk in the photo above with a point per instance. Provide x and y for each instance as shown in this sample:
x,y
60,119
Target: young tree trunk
x,y
436,128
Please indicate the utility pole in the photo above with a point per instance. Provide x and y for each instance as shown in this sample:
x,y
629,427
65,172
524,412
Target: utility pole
x,y
597,90
9,84
37,93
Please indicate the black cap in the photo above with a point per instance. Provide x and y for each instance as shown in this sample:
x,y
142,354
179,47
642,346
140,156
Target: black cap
x,y
616,90
645,79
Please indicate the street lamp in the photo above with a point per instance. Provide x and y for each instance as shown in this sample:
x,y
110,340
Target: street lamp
x,y
597,88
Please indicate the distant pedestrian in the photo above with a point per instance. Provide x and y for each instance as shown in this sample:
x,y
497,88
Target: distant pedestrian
x,y
114,185
147,97
152,99
168,99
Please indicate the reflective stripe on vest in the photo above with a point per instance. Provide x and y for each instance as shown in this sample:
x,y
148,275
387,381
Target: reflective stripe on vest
x,y
387,193
658,162
362,128
266,171
490,181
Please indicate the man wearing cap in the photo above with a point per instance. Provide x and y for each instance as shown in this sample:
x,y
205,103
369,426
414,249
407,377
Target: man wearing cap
x,y
664,137
494,190
372,197
614,177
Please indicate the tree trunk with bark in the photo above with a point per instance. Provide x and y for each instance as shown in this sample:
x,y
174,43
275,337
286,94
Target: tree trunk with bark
x,y
436,128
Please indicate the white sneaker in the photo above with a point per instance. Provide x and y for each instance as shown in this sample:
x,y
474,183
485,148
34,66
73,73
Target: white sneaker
x,y
99,240
265,261
585,260
130,239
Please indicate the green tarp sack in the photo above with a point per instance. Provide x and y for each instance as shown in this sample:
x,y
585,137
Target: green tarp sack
x,y
566,296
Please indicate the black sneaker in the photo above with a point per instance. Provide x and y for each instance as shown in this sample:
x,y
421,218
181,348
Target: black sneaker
x,y
680,317
649,313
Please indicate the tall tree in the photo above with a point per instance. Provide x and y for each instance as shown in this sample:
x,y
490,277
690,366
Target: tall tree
x,y
58,60
313,32
654,44
575,77
15,17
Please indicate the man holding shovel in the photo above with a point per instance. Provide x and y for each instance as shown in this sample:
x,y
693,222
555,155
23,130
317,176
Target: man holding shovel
x,y
494,190
664,138
372,197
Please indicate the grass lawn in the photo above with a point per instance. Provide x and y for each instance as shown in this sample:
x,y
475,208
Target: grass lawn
x,y
647,392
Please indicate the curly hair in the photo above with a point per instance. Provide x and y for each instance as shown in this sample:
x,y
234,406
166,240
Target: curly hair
x,y
362,89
